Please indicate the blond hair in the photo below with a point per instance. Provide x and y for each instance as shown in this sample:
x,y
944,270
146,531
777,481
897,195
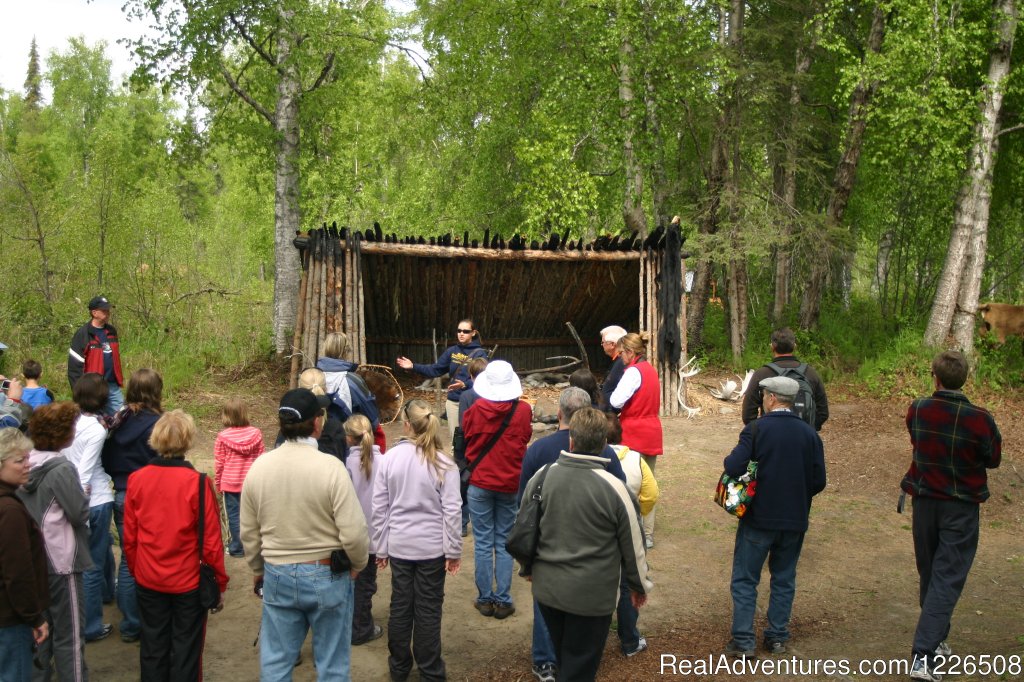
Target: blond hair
x,y
359,429
425,427
315,380
335,345
13,443
635,343
173,434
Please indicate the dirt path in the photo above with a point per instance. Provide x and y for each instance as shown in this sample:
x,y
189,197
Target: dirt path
x,y
857,585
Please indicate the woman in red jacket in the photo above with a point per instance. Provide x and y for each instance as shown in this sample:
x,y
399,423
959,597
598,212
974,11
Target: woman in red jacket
x,y
161,517
495,480
638,399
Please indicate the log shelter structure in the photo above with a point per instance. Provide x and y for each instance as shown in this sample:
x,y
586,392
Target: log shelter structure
x,y
404,296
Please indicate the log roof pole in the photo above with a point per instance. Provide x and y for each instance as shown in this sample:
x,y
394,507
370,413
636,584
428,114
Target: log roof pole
x,y
426,251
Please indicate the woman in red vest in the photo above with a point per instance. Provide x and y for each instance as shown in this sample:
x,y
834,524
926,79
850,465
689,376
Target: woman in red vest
x,y
638,399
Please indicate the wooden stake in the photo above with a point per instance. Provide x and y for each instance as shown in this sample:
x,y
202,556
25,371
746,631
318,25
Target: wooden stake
x,y
300,322
357,268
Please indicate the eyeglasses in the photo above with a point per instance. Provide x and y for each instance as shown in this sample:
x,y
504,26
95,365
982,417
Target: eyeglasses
x,y
464,331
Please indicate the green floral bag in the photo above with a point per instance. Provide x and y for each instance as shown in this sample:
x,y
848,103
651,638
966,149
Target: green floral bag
x,y
735,495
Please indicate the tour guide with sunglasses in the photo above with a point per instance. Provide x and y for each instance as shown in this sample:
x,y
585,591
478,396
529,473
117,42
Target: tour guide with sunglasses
x,y
298,506
454,362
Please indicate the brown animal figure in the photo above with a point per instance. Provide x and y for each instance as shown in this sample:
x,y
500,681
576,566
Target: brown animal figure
x,y
385,389
1002,318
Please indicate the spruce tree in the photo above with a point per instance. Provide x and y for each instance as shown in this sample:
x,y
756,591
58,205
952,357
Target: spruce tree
x,y
33,81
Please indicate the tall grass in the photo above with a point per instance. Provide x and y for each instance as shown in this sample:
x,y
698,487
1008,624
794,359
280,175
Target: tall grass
x,y
881,355
187,345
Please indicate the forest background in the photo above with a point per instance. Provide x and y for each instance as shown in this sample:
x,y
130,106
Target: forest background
x,y
851,169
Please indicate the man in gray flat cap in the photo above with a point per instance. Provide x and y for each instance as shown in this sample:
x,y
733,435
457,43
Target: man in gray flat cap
x,y
790,471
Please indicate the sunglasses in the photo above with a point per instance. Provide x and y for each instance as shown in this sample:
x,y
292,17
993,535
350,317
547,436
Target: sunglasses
x,y
464,331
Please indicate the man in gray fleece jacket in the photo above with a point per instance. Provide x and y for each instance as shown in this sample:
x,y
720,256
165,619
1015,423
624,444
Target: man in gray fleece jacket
x,y
589,532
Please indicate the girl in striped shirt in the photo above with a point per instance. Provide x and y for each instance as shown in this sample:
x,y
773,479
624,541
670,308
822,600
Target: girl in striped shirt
x,y
234,451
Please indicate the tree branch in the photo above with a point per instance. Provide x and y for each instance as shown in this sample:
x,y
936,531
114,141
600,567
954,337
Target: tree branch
x,y
323,73
415,57
208,290
246,97
1011,129
252,43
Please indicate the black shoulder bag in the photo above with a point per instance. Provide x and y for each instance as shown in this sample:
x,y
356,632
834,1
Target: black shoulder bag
x,y
209,590
466,469
524,537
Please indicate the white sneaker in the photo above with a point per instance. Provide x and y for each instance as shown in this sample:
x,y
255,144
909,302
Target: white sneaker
x,y
943,650
919,671
649,542
545,672
641,646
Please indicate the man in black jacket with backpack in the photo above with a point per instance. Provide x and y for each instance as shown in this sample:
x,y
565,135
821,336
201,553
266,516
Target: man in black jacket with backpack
x,y
811,402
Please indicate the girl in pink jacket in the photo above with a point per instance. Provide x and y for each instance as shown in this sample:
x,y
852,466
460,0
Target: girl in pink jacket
x,y
234,451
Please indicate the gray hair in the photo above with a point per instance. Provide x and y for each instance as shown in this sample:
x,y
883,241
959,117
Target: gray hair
x,y
612,333
12,443
571,401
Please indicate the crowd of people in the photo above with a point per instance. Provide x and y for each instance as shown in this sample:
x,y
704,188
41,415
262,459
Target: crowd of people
x,y
318,517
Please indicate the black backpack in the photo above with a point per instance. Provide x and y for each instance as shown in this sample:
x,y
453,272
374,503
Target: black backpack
x,y
803,404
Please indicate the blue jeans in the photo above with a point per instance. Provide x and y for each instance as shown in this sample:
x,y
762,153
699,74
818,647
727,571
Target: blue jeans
x,y
782,550
626,616
543,650
295,598
231,502
93,579
493,515
16,653
130,622
115,400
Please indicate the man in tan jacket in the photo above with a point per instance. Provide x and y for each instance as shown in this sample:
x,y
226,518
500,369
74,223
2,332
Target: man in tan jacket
x,y
298,506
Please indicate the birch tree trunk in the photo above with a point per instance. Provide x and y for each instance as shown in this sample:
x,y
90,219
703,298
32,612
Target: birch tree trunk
x,y
846,173
979,194
973,269
972,205
632,208
287,212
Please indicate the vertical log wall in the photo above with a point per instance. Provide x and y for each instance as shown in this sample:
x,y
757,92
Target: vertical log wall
x,y
330,300
332,297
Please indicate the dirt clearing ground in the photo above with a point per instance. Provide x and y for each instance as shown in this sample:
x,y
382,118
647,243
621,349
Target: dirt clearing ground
x,y
856,585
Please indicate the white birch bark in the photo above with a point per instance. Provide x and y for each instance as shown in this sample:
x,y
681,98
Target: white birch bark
x,y
960,282
287,211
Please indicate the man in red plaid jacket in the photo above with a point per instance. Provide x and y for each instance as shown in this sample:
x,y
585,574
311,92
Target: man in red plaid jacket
x,y
955,443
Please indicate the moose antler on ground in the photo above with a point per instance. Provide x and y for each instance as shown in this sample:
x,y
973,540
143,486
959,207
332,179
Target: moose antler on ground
x,y
685,372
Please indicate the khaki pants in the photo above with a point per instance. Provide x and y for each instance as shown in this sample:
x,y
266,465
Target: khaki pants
x,y
451,408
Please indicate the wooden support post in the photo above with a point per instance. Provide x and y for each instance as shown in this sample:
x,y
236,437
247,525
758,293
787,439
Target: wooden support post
x,y
360,347
300,321
322,321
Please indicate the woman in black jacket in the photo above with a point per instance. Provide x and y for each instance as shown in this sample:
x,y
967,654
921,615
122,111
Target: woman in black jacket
x,y
126,451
